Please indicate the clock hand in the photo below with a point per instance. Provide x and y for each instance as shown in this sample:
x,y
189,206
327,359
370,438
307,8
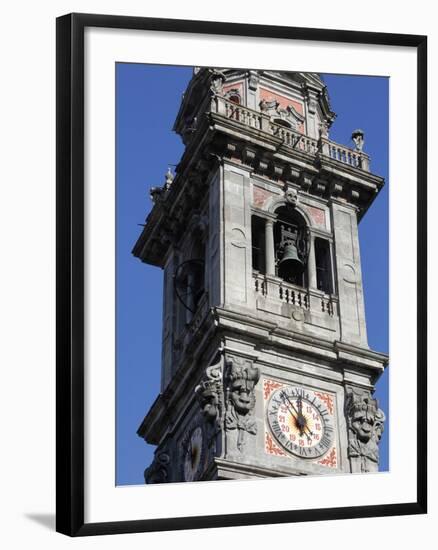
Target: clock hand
x,y
300,417
303,418
286,398
300,409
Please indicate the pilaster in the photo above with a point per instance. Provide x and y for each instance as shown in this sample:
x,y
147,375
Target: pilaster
x,y
349,274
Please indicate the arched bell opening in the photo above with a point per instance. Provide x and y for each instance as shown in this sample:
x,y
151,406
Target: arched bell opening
x,y
291,246
189,280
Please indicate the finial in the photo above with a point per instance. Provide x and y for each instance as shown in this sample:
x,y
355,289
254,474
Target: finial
x,y
168,178
358,137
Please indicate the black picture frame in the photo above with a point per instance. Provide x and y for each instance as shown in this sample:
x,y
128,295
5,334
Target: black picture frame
x,y
70,272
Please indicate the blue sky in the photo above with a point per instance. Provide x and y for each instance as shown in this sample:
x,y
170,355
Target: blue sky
x,y
148,98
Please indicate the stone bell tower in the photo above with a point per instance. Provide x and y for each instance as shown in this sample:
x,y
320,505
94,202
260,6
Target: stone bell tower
x,y
266,369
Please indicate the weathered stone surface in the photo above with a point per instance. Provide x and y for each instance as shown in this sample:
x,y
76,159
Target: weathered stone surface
x,y
257,143
365,428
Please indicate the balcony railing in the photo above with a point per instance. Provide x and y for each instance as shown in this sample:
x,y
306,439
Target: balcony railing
x,y
291,138
294,139
243,114
307,299
294,295
343,154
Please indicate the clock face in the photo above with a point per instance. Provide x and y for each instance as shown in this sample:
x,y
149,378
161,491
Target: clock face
x,y
193,454
300,422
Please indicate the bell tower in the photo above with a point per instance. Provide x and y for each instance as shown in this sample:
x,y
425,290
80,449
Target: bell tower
x,y
266,368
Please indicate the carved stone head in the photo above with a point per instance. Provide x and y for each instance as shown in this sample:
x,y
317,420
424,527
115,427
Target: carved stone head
x,y
242,379
379,425
208,399
363,416
242,396
291,196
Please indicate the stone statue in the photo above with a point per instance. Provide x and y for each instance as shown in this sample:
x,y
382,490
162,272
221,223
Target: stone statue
x,y
241,379
168,179
217,81
158,193
365,428
358,137
155,194
263,105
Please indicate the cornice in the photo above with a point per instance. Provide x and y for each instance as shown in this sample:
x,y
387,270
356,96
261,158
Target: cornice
x,y
333,355
268,331
265,156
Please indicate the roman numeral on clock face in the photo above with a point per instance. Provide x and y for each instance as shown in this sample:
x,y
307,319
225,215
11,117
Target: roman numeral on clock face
x,y
300,422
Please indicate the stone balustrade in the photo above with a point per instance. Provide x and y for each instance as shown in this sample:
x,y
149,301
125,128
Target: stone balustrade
x,y
246,116
259,283
357,159
294,139
291,138
292,294
277,290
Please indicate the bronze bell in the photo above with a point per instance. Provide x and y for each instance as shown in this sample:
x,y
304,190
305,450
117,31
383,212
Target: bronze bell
x,y
290,264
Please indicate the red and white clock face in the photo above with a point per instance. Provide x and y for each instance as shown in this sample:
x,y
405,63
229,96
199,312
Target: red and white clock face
x,y
300,422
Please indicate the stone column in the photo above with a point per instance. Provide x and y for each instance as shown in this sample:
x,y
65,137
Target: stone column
x,y
311,264
269,247
332,269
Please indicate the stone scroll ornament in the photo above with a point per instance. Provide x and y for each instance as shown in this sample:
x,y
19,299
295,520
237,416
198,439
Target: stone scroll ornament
x,y
241,378
210,394
158,471
365,429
